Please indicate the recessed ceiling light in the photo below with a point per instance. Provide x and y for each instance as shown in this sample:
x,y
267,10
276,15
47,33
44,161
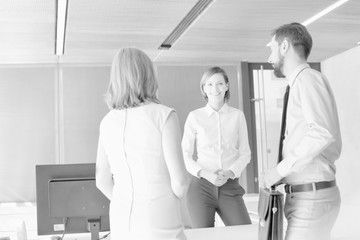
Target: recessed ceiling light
x,y
61,17
323,12
199,8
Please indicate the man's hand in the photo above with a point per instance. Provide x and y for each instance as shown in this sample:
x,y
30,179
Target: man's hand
x,y
270,177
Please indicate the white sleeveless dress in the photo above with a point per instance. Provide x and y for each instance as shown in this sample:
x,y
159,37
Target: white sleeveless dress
x,y
143,205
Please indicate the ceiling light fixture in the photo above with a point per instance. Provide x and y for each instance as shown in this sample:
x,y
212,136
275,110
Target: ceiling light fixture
x,y
185,23
323,12
61,17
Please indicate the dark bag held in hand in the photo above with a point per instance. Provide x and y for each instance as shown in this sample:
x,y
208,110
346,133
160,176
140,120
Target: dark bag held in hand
x,y
270,210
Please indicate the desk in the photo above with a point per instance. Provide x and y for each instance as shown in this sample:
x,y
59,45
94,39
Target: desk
x,y
245,232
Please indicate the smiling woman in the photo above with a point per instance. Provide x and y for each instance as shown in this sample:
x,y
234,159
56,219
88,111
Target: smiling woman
x,y
214,86
219,133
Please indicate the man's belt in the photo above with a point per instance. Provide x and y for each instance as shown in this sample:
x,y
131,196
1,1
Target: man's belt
x,y
309,186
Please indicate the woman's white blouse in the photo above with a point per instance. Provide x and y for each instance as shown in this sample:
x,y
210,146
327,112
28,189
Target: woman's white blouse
x,y
221,140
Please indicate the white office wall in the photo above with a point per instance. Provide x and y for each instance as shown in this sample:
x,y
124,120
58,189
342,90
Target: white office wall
x,y
27,128
343,72
51,114
82,109
48,114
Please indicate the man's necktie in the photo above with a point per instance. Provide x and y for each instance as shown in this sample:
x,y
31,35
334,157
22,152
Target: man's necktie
x,y
283,123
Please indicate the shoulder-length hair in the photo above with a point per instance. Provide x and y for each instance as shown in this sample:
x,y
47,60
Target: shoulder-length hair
x,y
132,80
208,74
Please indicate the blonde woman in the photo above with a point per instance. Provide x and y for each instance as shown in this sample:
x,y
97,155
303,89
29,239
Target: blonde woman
x,y
139,164
219,134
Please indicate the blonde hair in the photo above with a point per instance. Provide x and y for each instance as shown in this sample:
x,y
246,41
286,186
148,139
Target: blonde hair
x,y
208,74
132,80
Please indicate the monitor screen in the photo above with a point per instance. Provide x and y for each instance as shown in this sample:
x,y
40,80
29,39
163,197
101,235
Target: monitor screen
x,y
68,200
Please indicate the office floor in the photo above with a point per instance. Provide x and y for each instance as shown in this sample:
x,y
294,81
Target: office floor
x,y
12,216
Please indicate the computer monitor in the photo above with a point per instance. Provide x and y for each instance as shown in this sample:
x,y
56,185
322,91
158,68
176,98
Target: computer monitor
x,y
68,200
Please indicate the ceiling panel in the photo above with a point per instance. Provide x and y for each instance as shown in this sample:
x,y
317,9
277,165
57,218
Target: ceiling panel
x,y
229,31
27,31
96,29
233,30
337,31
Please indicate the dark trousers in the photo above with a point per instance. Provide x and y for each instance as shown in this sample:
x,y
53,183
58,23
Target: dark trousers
x,y
204,199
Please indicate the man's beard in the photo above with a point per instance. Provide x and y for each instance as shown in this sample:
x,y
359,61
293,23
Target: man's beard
x,y
278,68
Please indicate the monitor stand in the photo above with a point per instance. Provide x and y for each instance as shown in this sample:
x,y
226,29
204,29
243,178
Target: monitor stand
x,y
94,228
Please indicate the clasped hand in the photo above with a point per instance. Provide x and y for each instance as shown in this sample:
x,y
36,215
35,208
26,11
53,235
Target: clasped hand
x,y
219,177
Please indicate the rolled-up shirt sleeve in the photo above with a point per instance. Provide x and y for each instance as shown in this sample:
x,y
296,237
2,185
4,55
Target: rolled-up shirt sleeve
x,y
319,124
